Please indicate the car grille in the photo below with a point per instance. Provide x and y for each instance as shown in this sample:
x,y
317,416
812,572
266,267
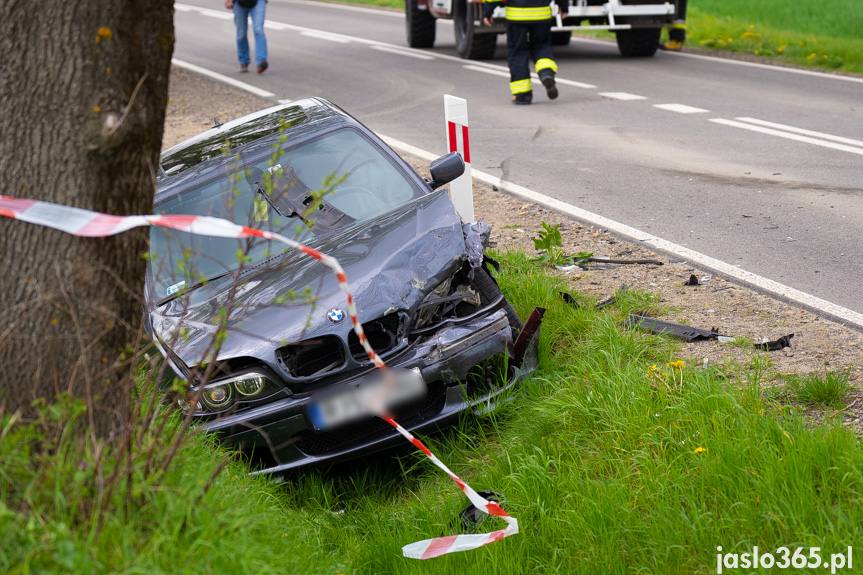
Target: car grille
x,y
320,443
382,333
312,357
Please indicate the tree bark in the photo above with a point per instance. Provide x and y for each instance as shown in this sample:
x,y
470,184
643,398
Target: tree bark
x,y
82,107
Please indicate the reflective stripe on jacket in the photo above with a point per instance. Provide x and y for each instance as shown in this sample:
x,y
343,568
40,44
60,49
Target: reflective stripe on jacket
x,y
523,10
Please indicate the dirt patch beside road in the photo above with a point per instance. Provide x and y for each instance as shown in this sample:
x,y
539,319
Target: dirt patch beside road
x,y
735,310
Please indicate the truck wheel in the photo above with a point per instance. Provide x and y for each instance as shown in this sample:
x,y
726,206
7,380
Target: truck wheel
x,y
469,44
638,42
419,26
561,38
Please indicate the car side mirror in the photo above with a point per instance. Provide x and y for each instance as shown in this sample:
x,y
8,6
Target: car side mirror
x,y
445,169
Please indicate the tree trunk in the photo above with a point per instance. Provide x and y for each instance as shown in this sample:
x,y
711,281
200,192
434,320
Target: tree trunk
x,y
82,101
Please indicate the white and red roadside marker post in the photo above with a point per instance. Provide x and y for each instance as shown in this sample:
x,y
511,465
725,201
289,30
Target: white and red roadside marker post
x,y
460,189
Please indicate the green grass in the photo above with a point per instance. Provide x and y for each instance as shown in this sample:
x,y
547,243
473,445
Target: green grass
x,y
824,34
610,467
828,390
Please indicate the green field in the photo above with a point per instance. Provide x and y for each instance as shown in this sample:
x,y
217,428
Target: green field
x,y
822,34
619,457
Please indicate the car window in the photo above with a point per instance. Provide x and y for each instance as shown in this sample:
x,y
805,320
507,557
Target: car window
x,y
330,182
367,183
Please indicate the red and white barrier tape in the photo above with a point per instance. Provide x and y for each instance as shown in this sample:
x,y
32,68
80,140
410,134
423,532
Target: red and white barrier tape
x,y
86,223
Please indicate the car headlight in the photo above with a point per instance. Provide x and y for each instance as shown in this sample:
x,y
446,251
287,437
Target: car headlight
x,y
222,394
218,397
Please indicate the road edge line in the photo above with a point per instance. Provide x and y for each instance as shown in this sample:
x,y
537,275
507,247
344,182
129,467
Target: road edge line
x,y
841,315
222,78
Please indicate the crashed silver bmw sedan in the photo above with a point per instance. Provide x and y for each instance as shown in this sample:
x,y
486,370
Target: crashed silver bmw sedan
x,y
258,335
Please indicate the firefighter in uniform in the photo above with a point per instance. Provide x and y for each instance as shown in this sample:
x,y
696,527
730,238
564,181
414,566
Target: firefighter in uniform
x,y
677,33
528,37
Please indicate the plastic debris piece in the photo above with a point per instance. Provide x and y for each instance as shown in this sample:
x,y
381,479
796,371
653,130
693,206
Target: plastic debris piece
x,y
690,334
470,519
570,299
680,331
781,343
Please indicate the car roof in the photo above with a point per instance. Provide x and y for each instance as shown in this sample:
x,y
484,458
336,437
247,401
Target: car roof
x,y
294,121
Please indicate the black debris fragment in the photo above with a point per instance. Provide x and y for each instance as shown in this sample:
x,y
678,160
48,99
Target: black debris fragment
x,y
781,343
608,260
680,331
690,334
692,281
570,300
470,518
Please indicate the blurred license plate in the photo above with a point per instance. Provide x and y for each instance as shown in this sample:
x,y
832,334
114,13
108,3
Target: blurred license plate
x,y
386,390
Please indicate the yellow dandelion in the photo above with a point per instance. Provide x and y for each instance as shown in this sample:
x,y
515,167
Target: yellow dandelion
x,y
730,40
756,52
700,450
752,26
781,48
811,56
747,35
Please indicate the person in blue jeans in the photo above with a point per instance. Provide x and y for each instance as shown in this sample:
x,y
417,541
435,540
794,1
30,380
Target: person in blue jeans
x,y
257,9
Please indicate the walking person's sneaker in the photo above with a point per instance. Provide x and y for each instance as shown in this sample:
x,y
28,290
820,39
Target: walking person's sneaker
x,y
522,99
262,65
244,67
550,87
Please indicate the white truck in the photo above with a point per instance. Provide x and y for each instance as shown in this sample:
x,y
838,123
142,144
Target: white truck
x,y
636,23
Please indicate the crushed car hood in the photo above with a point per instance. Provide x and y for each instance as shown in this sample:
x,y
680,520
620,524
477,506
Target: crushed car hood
x,y
391,263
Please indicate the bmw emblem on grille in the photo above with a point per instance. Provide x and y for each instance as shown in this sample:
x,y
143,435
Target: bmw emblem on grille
x,y
335,315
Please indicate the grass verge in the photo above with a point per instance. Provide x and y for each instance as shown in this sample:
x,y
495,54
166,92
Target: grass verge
x,y
823,34
617,458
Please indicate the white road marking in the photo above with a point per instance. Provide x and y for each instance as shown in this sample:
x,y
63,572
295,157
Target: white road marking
x,y
841,313
680,108
324,36
221,15
403,52
377,12
789,136
812,133
621,96
221,78
719,60
487,70
574,83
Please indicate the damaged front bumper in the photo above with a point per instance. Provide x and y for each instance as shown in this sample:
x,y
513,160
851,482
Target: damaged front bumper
x,y
453,362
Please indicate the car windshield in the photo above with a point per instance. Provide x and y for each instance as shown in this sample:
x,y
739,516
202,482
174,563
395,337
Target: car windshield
x,y
303,191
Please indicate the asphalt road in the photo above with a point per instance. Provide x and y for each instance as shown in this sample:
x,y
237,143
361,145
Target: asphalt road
x,y
674,145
